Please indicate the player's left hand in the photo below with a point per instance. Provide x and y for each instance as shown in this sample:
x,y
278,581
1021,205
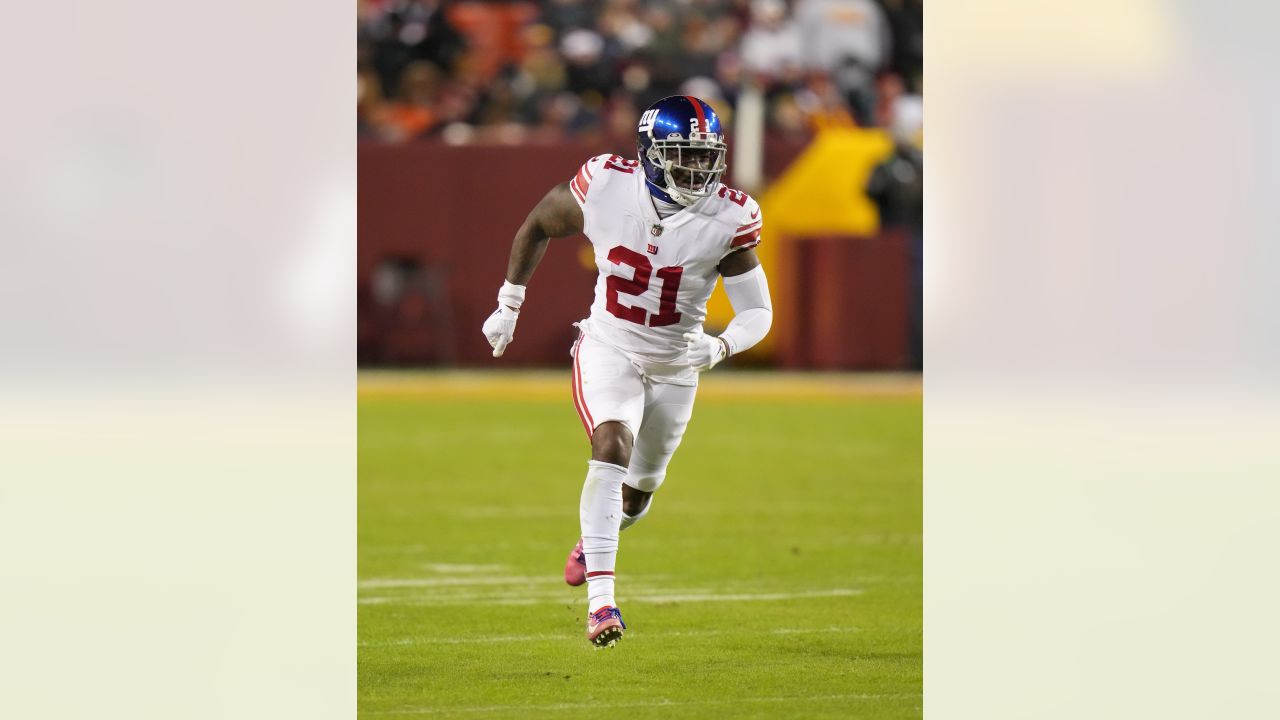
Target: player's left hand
x,y
705,350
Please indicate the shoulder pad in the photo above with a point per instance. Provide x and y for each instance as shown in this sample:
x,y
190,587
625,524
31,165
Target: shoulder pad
x,y
746,214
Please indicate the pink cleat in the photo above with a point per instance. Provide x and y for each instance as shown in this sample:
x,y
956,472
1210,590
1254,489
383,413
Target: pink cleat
x,y
575,568
605,626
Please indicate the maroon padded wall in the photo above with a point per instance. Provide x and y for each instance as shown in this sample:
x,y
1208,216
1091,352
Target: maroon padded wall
x,y
850,311
454,210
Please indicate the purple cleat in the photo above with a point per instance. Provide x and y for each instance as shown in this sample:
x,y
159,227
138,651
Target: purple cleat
x,y
575,568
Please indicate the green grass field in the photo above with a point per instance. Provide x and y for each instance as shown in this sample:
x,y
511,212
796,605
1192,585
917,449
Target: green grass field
x,y
778,574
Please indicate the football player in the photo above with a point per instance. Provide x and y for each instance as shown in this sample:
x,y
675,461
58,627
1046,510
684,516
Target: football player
x,y
664,229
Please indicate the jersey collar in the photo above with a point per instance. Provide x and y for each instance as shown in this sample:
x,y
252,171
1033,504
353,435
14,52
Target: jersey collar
x,y
650,214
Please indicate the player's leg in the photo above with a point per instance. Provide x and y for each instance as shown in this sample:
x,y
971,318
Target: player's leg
x,y
609,395
635,505
600,510
668,409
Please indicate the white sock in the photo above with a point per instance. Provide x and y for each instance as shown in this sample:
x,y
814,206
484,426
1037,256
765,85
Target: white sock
x,y
629,520
600,513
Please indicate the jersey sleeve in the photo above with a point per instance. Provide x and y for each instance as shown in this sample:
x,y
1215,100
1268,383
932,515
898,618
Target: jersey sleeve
x,y
750,220
581,183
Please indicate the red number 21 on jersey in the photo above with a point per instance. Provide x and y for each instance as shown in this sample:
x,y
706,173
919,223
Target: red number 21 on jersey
x,y
638,284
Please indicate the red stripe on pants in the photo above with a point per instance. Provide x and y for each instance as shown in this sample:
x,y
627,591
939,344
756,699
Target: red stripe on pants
x,y
580,401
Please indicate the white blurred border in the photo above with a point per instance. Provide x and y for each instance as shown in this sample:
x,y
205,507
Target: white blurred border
x,y
1101,416
177,382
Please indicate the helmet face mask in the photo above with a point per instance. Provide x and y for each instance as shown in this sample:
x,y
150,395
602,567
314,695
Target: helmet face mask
x,y
691,170
681,149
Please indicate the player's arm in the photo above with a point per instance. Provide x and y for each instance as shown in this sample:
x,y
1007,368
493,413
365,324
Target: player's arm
x,y
748,290
556,215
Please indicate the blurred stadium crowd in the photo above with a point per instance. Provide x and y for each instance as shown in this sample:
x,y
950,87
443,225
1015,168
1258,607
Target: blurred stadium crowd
x,y
520,71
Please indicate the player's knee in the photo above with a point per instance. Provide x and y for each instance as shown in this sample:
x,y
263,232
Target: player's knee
x,y
611,443
645,482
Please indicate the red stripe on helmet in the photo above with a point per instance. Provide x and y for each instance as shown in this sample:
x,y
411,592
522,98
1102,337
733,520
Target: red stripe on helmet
x,y
697,107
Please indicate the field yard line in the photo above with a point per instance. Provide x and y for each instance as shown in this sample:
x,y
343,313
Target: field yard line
x,y
641,704
528,595
740,597
500,512
799,631
530,638
559,598
532,580
475,588
464,567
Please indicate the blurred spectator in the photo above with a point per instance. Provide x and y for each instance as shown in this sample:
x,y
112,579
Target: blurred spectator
x,y
560,113
542,70
771,49
897,184
403,31
620,22
888,89
823,103
787,120
583,51
847,40
897,188
370,106
906,22
623,116
501,105
565,15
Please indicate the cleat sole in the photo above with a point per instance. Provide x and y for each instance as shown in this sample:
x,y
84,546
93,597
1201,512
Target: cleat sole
x,y
608,638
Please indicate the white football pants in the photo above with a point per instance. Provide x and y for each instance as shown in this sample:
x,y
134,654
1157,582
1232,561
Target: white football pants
x,y
609,386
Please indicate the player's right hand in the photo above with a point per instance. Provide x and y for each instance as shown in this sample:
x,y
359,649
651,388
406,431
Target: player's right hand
x,y
501,325
500,328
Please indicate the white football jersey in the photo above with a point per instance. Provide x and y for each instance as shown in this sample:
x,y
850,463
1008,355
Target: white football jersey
x,y
655,275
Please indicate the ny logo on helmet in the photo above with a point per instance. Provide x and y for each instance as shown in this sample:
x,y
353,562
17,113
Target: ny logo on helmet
x,y
648,119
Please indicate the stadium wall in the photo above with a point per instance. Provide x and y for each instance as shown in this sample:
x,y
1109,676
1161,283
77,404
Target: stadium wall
x,y
435,228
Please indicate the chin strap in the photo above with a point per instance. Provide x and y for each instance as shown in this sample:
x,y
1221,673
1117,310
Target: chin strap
x,y
662,194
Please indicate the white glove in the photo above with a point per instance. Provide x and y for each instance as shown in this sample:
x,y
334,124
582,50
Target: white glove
x,y
500,327
705,350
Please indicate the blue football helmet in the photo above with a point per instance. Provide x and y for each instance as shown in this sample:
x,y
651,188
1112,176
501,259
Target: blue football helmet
x,y
681,148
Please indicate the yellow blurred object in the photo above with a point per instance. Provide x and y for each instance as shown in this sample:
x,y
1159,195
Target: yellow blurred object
x,y
821,193
587,257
